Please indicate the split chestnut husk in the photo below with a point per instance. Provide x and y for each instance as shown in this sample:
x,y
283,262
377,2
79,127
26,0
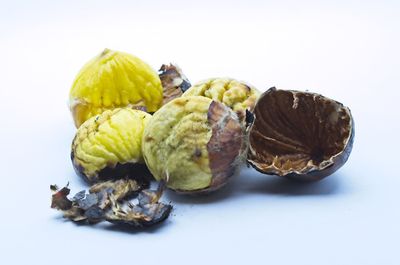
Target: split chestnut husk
x,y
299,135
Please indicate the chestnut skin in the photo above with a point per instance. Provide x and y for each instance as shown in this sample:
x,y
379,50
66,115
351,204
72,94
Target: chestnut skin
x,y
299,135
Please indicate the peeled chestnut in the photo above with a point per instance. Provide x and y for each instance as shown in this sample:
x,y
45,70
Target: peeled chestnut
x,y
194,144
235,94
109,146
111,80
299,135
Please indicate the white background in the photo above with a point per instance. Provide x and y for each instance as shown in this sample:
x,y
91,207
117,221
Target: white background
x,y
346,50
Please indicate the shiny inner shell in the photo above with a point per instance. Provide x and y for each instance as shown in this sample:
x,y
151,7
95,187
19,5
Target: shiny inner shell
x,y
297,132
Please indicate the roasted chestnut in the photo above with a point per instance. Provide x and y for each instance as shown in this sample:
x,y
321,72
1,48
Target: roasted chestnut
x,y
109,146
194,144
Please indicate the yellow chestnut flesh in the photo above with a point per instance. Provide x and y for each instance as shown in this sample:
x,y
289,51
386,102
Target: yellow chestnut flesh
x,y
235,94
109,145
194,144
114,79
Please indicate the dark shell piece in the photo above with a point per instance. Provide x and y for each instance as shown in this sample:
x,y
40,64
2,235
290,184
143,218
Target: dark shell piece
x,y
107,201
143,216
174,82
299,135
226,143
225,147
136,171
59,198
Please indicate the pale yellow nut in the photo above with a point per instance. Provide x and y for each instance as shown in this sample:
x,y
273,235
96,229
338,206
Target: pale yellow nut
x,y
108,140
114,79
235,94
193,143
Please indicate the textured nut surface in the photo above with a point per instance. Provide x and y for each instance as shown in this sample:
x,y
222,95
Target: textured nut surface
x,y
235,94
114,79
110,144
193,143
299,135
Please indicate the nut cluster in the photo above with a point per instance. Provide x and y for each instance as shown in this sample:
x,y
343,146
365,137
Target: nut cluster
x,y
201,134
136,124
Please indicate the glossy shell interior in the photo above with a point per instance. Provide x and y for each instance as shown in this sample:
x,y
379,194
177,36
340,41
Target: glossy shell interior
x,y
299,135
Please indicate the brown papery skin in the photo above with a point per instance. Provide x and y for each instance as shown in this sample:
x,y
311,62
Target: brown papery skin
x,y
226,147
299,135
226,144
174,82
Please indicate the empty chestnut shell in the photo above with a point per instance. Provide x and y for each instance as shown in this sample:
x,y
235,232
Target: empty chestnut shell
x,y
299,135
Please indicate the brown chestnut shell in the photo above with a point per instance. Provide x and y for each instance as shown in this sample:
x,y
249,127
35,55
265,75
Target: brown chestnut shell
x,y
173,81
226,143
299,135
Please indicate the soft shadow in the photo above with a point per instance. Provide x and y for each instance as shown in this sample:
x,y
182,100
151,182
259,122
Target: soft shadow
x,y
276,185
203,198
105,226
249,181
127,229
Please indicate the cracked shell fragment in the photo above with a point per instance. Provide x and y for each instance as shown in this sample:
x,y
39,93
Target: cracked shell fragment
x,y
174,82
108,201
299,135
114,79
194,144
109,146
235,94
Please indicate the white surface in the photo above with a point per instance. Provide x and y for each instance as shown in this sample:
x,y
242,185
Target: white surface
x,y
347,50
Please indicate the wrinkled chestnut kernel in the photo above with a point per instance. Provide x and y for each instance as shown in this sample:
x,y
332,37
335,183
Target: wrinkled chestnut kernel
x,y
237,95
194,144
111,80
299,135
108,146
